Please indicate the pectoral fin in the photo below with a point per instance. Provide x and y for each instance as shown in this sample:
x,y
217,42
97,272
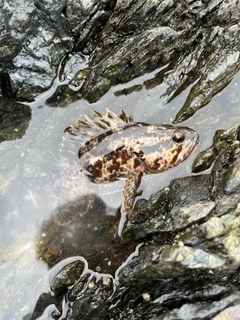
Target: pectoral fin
x,y
130,188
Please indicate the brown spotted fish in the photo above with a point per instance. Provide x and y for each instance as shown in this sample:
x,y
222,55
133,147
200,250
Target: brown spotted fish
x,y
113,147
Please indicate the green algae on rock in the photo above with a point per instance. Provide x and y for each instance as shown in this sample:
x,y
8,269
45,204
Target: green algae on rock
x,y
222,139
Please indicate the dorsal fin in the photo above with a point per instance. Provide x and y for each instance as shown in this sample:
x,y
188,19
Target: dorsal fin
x,y
97,124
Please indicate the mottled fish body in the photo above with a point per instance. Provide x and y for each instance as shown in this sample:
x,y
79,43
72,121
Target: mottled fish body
x,y
114,147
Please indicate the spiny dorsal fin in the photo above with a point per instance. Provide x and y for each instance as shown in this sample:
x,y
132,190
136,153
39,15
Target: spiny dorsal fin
x,y
124,117
93,126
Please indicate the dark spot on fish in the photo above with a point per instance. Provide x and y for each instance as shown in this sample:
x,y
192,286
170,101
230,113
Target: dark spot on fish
x,y
123,155
111,168
98,165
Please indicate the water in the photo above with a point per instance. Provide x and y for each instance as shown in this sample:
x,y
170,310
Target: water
x,y
31,177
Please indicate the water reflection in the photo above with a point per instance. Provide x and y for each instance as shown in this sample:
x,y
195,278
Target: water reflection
x,y
33,184
82,227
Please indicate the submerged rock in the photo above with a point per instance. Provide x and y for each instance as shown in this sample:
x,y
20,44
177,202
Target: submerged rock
x,y
14,119
86,228
66,277
186,265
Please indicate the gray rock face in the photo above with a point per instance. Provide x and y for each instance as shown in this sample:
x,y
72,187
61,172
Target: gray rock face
x,y
187,235
36,40
193,42
198,34
187,259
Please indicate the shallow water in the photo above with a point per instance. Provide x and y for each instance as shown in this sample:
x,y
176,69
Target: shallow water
x,y
32,187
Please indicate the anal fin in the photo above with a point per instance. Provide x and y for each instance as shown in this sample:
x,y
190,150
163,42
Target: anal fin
x,y
130,188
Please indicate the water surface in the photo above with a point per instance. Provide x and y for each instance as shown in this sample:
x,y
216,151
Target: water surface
x,y
33,184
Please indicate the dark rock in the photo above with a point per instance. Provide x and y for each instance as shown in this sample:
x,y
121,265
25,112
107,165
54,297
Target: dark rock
x,y
67,276
46,301
167,261
202,310
6,86
14,119
76,225
187,262
87,20
36,40
185,202
232,179
91,301
222,139
193,43
155,42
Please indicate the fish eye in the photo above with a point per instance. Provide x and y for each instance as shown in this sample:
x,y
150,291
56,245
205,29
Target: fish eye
x,y
141,154
178,138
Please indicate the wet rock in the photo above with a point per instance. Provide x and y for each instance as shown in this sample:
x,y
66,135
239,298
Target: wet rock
x,y
164,262
223,179
187,262
193,43
37,40
127,91
203,310
133,62
232,181
231,313
46,304
14,119
212,59
86,21
222,139
219,73
185,202
76,225
92,296
67,276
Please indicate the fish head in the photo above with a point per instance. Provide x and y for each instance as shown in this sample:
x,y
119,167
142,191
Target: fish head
x,y
169,146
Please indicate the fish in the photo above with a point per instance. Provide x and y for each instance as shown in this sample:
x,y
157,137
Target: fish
x,y
112,147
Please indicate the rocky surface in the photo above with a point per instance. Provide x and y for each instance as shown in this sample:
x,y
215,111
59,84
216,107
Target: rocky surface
x,y
14,119
222,141
186,262
105,43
